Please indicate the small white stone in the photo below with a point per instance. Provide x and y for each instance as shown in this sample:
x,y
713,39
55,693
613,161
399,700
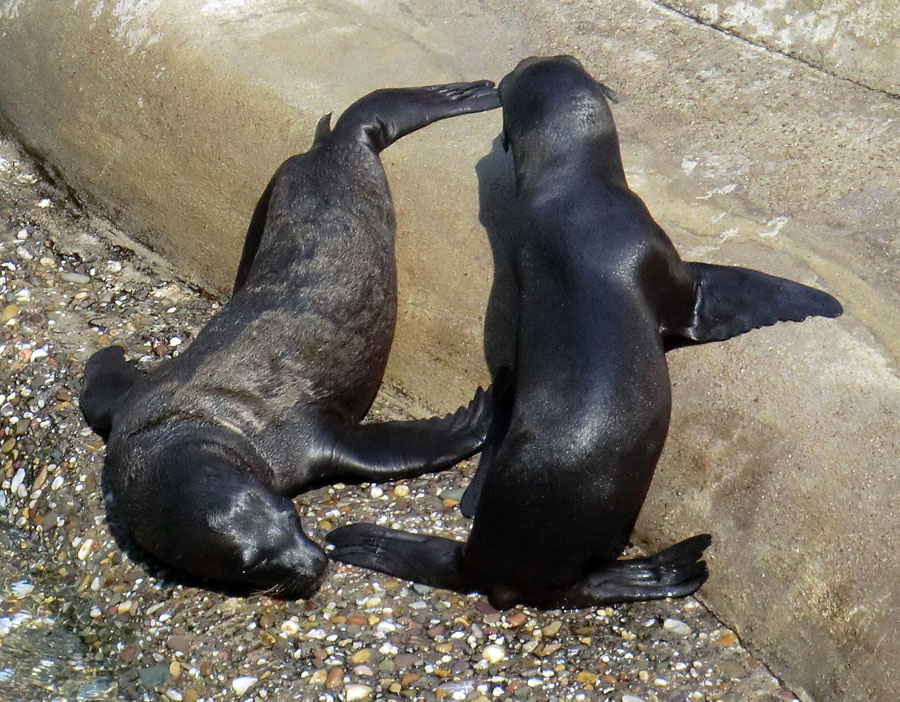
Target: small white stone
x,y
57,483
376,492
39,353
17,480
632,698
44,204
493,653
113,266
676,626
316,634
386,626
290,627
175,341
242,684
174,695
357,692
22,235
21,588
85,549
96,613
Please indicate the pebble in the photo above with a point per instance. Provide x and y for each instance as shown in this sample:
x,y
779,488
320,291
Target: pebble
x,y
727,639
362,656
376,492
242,684
334,678
357,692
632,698
17,480
401,491
174,695
676,626
85,549
9,312
21,588
454,494
290,628
179,642
552,628
153,676
493,653
77,278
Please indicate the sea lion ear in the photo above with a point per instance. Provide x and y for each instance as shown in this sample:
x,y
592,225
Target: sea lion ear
x,y
732,300
323,128
609,93
107,379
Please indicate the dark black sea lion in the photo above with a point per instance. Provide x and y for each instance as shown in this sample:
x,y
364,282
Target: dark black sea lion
x,y
205,451
602,294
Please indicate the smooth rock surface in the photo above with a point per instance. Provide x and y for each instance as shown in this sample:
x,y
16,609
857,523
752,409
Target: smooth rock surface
x,y
170,118
858,41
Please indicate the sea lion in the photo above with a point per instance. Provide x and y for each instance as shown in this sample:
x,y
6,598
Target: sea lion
x,y
602,295
205,450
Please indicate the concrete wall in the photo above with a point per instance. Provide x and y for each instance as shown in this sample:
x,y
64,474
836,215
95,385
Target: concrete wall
x,y
859,41
170,117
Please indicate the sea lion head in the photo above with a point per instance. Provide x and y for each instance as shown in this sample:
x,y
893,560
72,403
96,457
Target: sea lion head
x,y
195,506
553,110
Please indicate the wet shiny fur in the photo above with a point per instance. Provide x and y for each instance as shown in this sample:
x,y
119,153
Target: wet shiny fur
x,y
601,295
205,451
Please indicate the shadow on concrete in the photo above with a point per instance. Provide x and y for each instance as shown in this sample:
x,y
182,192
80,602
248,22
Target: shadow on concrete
x,y
499,215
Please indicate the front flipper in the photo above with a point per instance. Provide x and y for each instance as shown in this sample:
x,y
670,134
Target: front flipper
x,y
429,560
107,378
731,300
391,450
383,116
675,572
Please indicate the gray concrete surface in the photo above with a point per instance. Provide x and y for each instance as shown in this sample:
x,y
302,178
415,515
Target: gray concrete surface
x,y
857,41
170,118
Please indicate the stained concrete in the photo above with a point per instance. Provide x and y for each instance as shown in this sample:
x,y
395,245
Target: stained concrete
x,y
169,117
857,41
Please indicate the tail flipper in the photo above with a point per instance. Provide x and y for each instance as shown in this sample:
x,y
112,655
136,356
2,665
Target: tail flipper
x,y
383,116
429,560
733,300
675,572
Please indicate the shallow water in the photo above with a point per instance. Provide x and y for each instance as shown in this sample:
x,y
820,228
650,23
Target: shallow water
x,y
42,657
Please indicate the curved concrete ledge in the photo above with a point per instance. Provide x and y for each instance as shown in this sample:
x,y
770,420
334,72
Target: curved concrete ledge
x,y
170,117
860,42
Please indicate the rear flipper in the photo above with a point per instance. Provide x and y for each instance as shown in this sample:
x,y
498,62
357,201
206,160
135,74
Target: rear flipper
x,y
675,572
429,560
391,450
732,300
107,379
383,116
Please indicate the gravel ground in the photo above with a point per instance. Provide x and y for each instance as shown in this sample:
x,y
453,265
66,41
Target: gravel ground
x,y
80,621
